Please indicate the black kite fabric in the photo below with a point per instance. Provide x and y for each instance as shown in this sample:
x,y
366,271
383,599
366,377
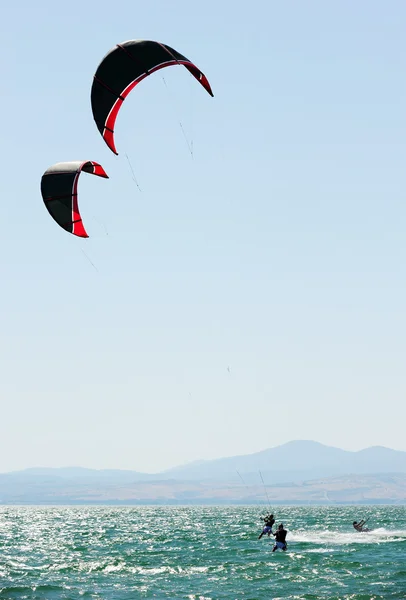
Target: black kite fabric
x,y
123,67
59,191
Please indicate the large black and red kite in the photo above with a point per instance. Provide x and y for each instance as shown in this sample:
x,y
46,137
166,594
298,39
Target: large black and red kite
x,y
59,186
121,69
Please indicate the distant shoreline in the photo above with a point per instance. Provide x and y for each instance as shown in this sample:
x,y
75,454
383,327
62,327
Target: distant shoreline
x,y
206,504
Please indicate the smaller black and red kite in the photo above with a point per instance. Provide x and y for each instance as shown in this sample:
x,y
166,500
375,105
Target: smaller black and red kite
x,y
123,67
59,186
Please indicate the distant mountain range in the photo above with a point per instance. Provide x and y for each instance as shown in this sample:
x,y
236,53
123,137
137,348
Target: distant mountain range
x,y
299,471
294,461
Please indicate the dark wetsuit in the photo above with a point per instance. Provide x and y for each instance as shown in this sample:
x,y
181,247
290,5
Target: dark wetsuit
x,y
280,535
268,526
280,539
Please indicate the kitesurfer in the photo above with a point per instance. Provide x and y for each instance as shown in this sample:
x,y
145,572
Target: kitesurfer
x,y
280,539
360,526
269,522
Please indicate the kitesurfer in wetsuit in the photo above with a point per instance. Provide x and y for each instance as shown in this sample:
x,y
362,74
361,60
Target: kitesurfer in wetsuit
x,y
280,538
269,521
360,526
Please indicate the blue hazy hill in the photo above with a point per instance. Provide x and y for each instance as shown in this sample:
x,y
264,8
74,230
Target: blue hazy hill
x,y
299,471
300,459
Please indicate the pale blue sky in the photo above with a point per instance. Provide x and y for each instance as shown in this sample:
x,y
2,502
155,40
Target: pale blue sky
x,y
279,250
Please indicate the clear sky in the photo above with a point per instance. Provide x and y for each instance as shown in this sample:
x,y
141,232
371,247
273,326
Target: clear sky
x,y
278,251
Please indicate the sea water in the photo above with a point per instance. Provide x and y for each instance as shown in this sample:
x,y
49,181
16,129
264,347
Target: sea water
x,y
200,553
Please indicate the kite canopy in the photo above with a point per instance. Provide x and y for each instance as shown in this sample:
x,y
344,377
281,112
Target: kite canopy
x,y
59,191
119,72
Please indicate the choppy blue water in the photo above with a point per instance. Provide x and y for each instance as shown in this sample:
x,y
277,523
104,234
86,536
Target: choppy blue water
x,y
200,553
